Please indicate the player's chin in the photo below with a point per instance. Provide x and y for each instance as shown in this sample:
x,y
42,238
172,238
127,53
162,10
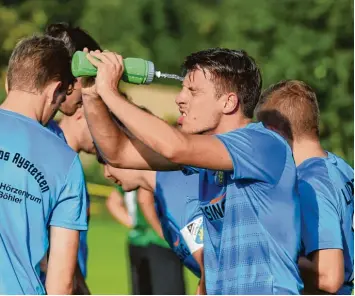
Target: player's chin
x,y
186,128
68,111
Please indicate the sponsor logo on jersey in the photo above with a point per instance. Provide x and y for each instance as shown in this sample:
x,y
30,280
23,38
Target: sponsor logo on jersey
x,y
214,210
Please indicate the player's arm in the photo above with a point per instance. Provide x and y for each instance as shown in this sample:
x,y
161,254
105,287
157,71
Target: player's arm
x,y
322,270
67,219
179,148
116,147
323,266
62,261
193,236
147,206
116,207
201,288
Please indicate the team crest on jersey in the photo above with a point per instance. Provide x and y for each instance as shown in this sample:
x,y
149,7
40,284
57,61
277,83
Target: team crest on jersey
x,y
199,237
219,178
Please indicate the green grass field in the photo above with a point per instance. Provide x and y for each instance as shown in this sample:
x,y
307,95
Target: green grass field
x,y
108,260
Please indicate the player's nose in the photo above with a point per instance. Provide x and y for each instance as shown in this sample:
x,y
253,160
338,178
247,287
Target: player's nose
x,y
181,98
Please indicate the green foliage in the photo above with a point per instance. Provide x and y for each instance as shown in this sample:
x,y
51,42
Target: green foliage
x,y
94,173
291,39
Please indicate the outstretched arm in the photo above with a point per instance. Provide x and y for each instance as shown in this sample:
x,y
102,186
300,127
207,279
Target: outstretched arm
x,y
194,150
115,205
147,206
115,146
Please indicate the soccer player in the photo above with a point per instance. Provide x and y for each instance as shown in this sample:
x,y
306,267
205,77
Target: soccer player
x,y
41,185
77,135
75,39
325,184
154,268
247,173
176,200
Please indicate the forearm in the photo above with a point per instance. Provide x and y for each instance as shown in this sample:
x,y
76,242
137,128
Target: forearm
x,y
152,218
62,261
109,138
201,288
150,130
120,214
116,147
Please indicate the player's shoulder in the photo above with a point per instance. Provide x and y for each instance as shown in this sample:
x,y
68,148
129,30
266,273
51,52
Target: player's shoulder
x,y
55,128
42,139
314,177
341,165
57,145
312,168
258,133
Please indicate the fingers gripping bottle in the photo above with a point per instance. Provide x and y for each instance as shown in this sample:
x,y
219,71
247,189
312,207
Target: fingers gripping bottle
x,y
136,70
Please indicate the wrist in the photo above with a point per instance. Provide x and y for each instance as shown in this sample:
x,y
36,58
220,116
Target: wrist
x,y
108,92
90,97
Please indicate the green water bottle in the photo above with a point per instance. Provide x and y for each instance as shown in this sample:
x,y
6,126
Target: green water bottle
x,y
136,70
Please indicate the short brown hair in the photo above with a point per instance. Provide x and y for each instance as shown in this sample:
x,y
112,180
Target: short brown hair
x,y
231,71
75,38
38,60
295,101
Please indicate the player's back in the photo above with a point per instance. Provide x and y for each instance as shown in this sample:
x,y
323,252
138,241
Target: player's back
x,y
176,197
327,200
34,166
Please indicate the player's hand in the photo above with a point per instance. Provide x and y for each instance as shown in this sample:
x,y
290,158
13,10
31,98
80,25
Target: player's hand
x,y
109,70
88,86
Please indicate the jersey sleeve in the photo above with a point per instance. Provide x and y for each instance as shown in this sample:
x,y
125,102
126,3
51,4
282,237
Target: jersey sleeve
x,y
193,233
255,155
320,219
70,210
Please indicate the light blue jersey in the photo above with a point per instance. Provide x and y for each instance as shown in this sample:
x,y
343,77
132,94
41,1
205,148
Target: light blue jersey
x,y
176,197
41,185
326,186
252,217
83,236
53,126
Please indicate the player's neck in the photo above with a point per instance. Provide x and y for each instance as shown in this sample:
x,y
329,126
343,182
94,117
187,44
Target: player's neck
x,y
231,123
71,138
306,148
25,103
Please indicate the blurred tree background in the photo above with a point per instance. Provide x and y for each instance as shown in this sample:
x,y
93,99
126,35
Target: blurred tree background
x,y
308,40
291,39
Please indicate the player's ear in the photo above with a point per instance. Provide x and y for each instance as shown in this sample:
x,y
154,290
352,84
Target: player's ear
x,y
231,103
55,92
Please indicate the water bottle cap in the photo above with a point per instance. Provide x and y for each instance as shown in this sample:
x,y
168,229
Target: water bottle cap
x,y
150,72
